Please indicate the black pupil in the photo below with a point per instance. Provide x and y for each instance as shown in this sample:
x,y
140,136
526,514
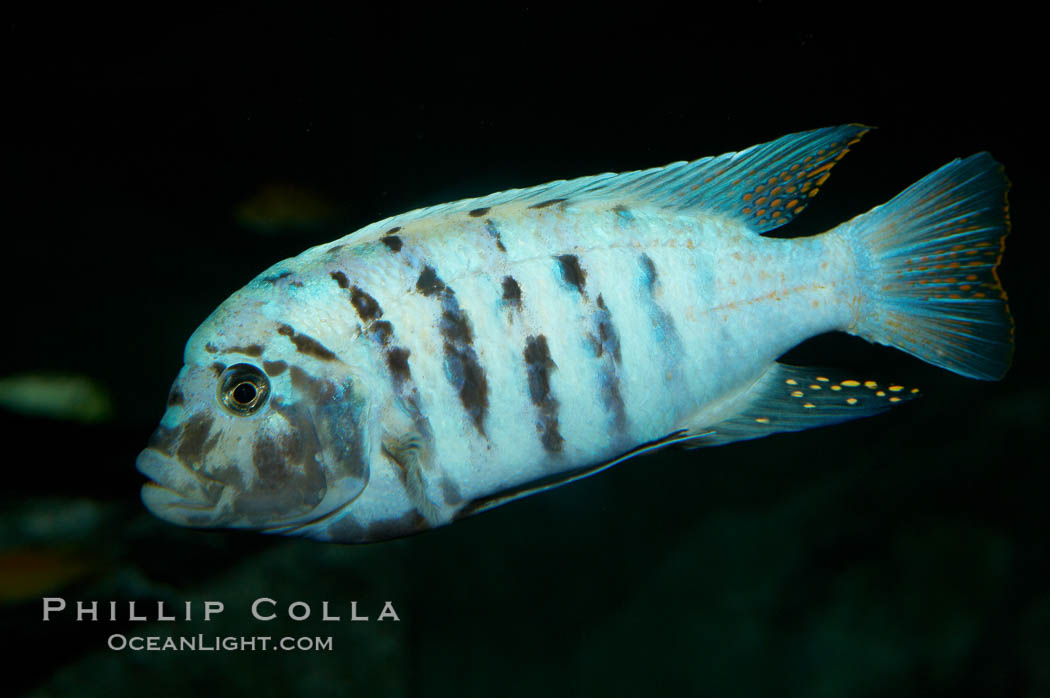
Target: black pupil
x,y
244,393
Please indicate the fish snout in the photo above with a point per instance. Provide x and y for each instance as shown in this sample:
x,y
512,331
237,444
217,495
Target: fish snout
x,y
175,493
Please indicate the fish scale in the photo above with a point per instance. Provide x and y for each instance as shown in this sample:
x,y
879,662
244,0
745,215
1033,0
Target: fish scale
x,y
448,360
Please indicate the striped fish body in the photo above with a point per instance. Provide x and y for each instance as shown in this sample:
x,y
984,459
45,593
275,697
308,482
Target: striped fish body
x,y
577,334
535,336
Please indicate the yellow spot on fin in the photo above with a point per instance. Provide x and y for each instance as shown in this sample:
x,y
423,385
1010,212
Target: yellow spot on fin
x,y
772,405
747,185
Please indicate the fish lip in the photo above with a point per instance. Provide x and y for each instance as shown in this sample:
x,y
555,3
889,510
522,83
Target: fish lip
x,y
171,485
170,506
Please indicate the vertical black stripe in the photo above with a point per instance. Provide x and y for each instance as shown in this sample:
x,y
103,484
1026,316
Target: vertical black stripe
x,y
571,273
613,400
649,275
606,345
607,339
381,332
665,338
397,362
511,292
428,282
462,368
538,365
493,231
340,278
367,308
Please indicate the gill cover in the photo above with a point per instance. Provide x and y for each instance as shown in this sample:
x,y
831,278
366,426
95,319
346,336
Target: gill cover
x,y
331,417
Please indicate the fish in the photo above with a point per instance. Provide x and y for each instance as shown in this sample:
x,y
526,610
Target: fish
x,y
446,361
280,207
26,573
59,396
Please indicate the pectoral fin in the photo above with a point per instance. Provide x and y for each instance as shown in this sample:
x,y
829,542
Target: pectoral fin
x,y
407,453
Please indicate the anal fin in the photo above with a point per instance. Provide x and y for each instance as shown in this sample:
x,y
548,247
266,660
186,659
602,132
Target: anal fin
x,y
793,398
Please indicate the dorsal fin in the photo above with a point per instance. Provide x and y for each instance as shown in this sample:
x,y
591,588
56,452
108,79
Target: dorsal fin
x,y
765,185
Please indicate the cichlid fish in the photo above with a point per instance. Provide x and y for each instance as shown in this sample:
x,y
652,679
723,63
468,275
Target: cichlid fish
x,y
62,396
450,359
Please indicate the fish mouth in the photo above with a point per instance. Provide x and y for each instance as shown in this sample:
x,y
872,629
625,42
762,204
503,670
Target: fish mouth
x,y
174,493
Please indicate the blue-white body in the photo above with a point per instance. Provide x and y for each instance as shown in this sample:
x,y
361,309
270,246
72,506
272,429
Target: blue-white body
x,y
444,361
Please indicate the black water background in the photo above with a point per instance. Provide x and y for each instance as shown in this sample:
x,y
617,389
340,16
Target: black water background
x,y
900,555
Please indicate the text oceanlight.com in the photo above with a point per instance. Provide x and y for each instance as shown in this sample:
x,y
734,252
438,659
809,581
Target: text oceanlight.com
x,y
216,643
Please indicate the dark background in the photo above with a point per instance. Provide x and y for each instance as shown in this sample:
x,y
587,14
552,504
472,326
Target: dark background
x,y
900,555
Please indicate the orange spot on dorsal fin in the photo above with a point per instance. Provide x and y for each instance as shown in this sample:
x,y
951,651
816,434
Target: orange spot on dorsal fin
x,y
746,185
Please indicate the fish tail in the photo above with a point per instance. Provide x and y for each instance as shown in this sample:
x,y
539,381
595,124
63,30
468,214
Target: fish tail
x,y
927,266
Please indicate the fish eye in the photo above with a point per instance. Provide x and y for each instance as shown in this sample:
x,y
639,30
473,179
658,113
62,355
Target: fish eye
x,y
243,389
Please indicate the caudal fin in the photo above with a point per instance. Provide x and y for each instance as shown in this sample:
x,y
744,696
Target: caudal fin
x,y
927,262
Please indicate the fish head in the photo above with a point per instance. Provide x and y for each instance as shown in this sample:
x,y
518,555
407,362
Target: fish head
x,y
257,434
